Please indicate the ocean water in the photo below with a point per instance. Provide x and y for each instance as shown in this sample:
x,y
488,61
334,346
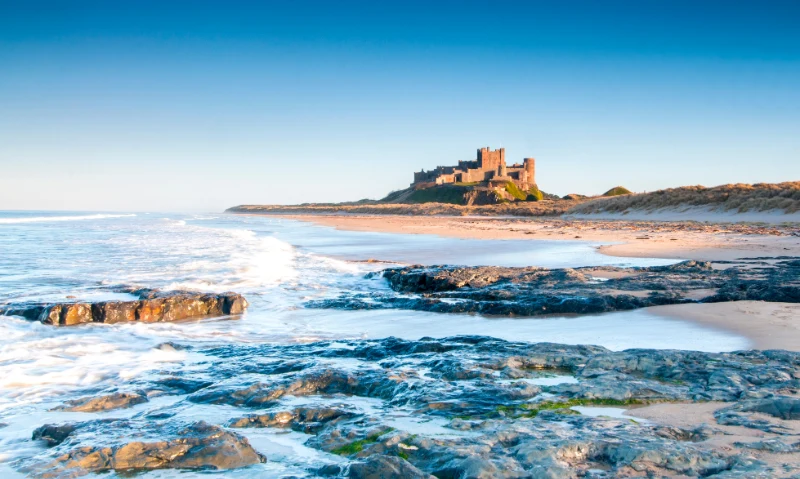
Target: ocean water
x,y
278,264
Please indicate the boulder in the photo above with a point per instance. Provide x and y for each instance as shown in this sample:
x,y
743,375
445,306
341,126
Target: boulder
x,y
153,306
201,446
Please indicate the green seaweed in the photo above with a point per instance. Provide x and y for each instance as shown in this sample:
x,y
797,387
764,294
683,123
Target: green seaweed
x,y
358,446
533,409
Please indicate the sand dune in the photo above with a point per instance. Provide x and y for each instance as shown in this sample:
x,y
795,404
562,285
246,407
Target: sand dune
x,y
763,202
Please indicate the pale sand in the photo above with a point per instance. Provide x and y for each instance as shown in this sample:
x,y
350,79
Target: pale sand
x,y
697,213
627,239
766,325
689,416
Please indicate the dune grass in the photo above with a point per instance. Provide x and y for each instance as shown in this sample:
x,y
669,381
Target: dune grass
x,y
726,198
617,191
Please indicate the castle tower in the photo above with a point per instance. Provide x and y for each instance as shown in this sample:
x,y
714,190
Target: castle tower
x,y
530,170
491,160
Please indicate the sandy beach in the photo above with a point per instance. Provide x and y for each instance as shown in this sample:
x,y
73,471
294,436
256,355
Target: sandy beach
x,y
766,325
676,240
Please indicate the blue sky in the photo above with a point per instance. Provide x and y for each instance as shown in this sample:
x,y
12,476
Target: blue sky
x,y
201,105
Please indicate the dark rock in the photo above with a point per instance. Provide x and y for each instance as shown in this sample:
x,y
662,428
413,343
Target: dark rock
x,y
328,470
385,467
368,383
177,385
774,446
53,434
104,403
783,407
531,291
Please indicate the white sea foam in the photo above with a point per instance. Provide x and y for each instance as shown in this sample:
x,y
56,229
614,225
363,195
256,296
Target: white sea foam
x,y
42,219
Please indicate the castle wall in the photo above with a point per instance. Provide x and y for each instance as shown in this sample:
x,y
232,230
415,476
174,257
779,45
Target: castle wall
x,y
491,160
488,165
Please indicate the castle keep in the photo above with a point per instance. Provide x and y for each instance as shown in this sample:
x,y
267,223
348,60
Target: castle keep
x,y
489,166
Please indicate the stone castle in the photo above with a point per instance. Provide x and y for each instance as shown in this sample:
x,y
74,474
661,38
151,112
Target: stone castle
x,y
489,167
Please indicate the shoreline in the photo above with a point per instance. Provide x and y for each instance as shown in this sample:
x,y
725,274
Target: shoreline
x,y
765,325
636,239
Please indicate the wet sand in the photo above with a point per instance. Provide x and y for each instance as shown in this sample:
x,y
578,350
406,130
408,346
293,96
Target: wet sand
x,y
766,325
674,240
725,438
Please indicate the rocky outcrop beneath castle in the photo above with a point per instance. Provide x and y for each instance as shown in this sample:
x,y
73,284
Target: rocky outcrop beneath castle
x,y
466,406
538,291
198,446
152,306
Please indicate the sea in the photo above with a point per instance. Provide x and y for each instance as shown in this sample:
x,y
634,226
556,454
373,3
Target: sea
x,y
278,265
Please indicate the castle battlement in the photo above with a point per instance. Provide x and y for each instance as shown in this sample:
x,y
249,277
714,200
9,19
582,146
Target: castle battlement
x,y
488,165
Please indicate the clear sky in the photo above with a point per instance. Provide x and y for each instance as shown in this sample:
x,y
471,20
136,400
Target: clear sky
x,y
200,105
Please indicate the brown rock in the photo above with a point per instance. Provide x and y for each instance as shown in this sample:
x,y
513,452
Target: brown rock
x,y
200,446
150,310
67,314
104,403
152,307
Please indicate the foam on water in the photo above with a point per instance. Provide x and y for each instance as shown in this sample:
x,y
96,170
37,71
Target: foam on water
x,y
43,219
277,265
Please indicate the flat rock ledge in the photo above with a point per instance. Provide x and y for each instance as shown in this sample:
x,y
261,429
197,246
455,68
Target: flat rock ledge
x,y
151,307
465,407
532,291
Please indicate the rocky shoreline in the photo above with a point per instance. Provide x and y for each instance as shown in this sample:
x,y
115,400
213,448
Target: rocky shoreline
x,y
532,291
152,306
461,407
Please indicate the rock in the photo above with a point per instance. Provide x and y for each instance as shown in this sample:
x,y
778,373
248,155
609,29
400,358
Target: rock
x,y
53,434
200,446
770,445
464,406
530,291
104,403
386,467
66,314
177,385
152,307
305,419
783,407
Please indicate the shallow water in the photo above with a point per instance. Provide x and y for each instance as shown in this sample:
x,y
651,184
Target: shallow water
x,y
278,265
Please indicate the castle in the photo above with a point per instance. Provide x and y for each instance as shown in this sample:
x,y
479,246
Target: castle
x,y
490,166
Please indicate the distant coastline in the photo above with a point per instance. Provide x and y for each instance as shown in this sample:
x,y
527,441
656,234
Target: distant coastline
x,y
760,203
